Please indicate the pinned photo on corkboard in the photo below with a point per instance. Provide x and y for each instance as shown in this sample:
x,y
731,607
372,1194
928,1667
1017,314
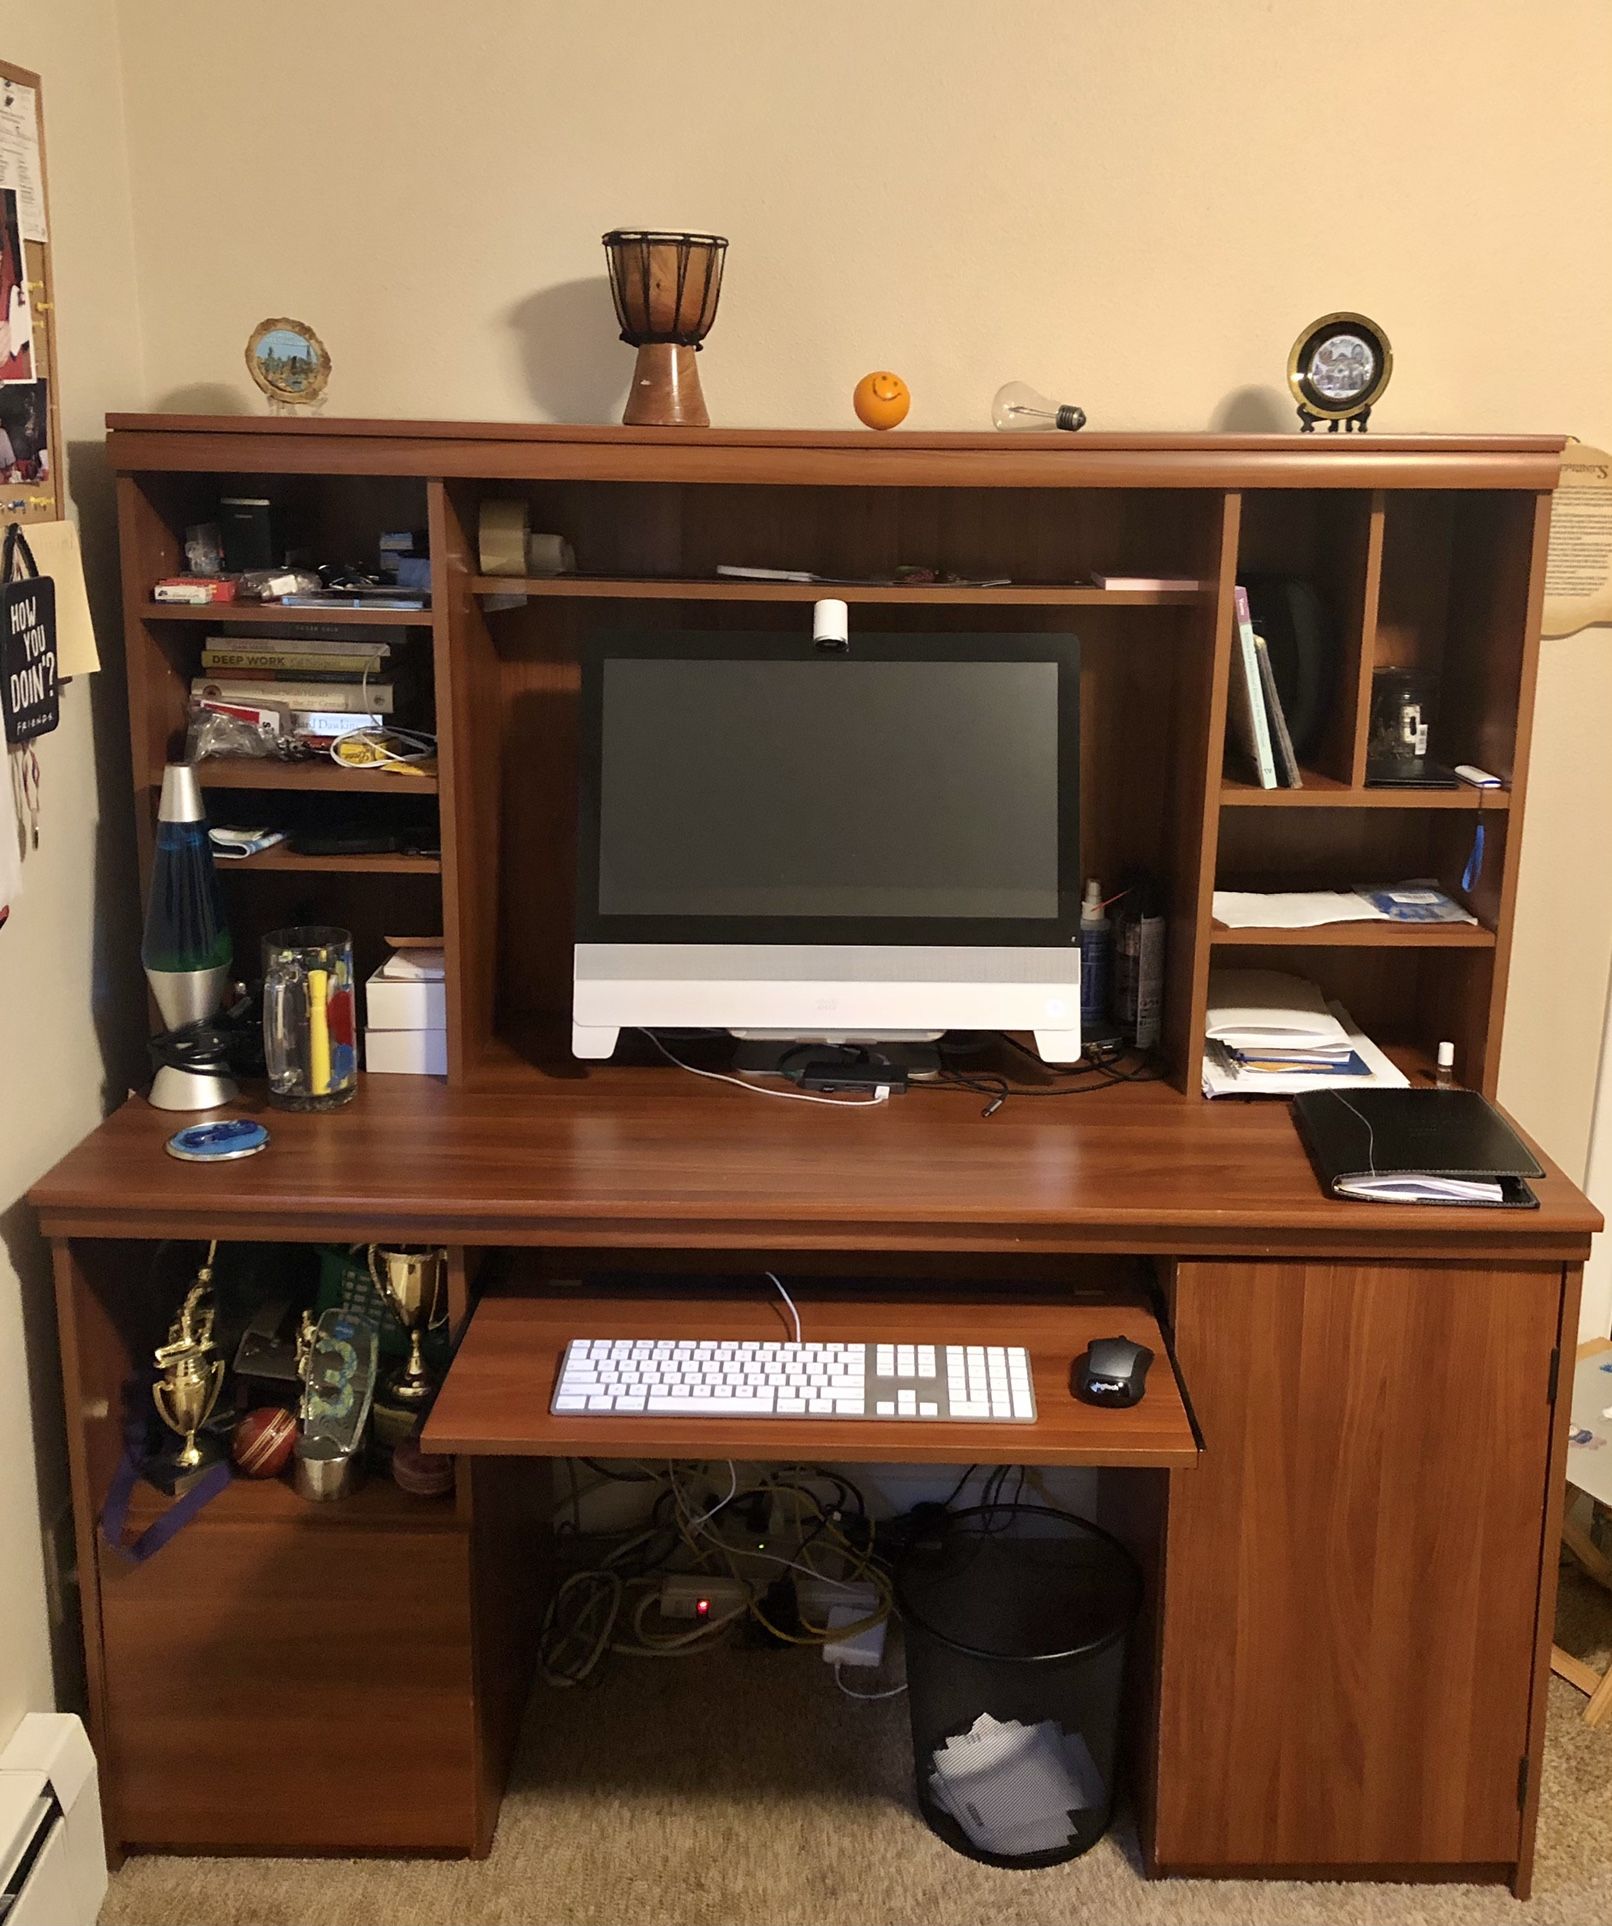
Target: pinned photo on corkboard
x,y
25,431
16,316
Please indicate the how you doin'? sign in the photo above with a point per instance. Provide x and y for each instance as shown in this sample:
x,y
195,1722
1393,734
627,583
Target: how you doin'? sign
x,y
30,698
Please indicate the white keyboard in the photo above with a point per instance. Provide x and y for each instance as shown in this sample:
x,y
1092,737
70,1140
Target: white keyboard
x,y
692,1378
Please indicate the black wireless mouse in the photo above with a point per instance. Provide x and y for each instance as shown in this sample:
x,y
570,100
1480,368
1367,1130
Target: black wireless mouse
x,y
1112,1371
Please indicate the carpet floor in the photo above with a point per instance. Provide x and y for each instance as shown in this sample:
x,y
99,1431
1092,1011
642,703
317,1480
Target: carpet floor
x,y
742,1790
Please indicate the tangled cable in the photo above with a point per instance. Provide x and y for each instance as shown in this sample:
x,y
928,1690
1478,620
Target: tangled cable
x,y
611,1603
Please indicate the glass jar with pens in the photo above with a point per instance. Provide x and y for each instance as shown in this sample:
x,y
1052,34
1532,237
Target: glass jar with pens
x,y
309,1029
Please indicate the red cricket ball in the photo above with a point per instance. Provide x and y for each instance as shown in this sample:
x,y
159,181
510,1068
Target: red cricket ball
x,y
261,1442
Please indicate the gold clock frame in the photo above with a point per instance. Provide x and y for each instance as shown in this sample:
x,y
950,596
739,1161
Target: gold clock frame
x,y
1363,403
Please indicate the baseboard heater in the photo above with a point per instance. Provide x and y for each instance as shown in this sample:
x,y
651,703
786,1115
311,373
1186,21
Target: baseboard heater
x,y
52,1853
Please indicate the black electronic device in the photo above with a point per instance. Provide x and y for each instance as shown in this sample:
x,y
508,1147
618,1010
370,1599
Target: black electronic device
x,y
339,840
829,1074
747,788
252,535
1111,1371
865,847
1415,772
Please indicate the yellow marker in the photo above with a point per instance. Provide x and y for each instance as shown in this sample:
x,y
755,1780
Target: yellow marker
x,y
318,1033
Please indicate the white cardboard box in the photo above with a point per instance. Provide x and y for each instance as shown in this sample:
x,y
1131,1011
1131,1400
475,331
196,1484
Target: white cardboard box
x,y
418,1053
402,1003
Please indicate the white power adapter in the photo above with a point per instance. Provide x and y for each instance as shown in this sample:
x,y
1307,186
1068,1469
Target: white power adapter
x,y
822,1601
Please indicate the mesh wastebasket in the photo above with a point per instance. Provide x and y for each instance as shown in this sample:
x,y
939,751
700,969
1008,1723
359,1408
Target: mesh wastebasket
x,y
1016,1619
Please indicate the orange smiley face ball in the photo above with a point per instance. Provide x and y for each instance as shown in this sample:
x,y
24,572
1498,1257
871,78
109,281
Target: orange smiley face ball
x,y
881,400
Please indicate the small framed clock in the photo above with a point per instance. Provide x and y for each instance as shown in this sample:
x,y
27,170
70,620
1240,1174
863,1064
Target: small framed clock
x,y
1337,370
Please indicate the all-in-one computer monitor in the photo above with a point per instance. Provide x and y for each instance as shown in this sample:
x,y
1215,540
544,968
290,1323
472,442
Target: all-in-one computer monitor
x,y
863,846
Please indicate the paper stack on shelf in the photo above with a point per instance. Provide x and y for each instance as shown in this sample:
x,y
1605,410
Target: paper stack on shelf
x,y
1013,1788
1304,909
1290,909
1273,1034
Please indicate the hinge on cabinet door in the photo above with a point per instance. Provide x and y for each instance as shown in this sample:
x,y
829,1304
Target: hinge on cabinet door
x,y
1555,1373
1522,1780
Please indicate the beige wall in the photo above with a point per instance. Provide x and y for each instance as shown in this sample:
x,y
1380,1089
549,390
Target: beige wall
x,y
66,995
1135,205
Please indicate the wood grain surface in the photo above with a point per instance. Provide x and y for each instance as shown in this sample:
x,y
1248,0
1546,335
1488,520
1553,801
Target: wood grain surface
x,y
651,1156
517,450
282,1692
1352,1571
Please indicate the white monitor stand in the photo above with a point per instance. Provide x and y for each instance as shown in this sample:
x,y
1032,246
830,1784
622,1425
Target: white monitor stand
x,y
832,992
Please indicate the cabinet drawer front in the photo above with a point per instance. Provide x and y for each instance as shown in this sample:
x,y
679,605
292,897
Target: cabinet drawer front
x,y
1353,1567
303,1689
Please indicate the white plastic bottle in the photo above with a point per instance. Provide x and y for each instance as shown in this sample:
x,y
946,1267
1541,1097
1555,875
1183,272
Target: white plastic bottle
x,y
1096,950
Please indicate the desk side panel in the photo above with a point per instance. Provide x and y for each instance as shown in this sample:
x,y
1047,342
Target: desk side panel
x,y
1352,1576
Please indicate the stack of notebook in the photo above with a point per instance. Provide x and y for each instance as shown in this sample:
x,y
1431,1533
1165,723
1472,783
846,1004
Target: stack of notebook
x,y
1273,1034
1416,1147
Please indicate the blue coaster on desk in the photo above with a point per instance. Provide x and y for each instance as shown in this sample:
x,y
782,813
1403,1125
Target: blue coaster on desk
x,y
218,1142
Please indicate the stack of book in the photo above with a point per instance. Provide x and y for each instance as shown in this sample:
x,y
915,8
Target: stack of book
x,y
1259,733
1272,1034
313,686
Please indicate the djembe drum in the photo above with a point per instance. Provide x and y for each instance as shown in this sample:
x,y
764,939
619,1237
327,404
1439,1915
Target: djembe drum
x,y
665,288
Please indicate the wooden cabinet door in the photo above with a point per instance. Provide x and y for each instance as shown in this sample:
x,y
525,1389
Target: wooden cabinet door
x,y
1353,1567
291,1690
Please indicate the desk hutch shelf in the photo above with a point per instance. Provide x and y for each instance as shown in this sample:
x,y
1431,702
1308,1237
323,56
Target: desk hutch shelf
x,y
1290,1480
1426,552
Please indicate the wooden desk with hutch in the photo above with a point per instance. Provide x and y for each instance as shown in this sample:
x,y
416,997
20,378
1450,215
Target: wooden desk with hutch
x,y
1346,1480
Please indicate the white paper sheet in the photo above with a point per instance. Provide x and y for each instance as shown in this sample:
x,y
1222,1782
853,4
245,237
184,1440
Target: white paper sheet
x,y
19,157
1422,1188
55,550
1382,1073
1013,1787
1294,909
1269,1009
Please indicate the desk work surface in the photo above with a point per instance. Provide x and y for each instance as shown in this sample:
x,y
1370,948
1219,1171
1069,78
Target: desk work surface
x,y
651,1157
495,1398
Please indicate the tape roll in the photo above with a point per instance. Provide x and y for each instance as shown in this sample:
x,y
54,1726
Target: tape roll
x,y
549,555
501,537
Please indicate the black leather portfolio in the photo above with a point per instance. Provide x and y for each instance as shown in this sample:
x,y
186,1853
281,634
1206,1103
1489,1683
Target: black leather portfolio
x,y
1416,1147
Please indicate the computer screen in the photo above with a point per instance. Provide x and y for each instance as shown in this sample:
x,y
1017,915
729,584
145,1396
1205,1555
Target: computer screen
x,y
768,789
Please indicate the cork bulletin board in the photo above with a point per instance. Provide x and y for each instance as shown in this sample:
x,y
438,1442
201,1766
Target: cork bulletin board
x,y
30,405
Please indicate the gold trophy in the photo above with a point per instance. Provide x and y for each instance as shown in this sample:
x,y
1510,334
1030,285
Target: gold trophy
x,y
190,1378
409,1277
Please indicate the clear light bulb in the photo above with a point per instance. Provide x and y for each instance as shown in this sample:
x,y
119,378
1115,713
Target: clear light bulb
x,y
1018,405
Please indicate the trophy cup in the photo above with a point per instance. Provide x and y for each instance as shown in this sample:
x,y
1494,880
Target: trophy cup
x,y
190,1377
336,1361
409,1277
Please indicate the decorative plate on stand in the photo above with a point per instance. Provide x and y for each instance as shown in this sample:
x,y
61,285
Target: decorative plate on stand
x,y
290,364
